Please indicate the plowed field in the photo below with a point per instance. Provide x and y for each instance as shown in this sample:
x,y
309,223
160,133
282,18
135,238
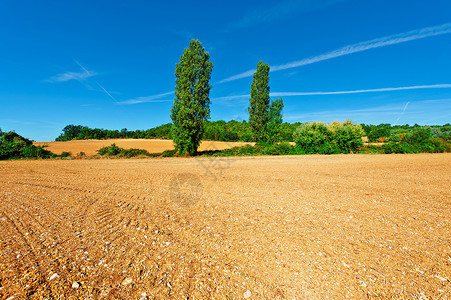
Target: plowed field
x,y
302,227
90,147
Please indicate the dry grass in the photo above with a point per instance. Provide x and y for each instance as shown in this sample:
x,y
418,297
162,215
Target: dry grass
x,y
90,147
305,227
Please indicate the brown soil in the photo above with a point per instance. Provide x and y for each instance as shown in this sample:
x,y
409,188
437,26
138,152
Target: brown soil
x,y
304,227
90,147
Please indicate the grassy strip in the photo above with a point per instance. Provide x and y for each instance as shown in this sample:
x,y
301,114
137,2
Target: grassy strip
x,y
282,149
287,149
114,151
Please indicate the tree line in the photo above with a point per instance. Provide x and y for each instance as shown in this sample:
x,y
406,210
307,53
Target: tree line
x,y
241,131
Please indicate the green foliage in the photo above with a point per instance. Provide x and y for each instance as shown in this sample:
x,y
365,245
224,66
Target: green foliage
x,y
114,151
15,138
277,149
394,137
231,131
70,132
418,135
111,150
443,132
265,116
433,146
65,154
259,102
274,121
228,132
317,137
192,103
79,132
169,153
347,136
15,146
258,149
374,132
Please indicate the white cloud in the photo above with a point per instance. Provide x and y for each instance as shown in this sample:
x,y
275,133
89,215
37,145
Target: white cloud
x,y
359,47
389,89
416,87
106,92
402,113
148,99
226,98
79,76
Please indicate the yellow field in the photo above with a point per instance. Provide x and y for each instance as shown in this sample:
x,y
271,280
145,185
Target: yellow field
x,y
90,147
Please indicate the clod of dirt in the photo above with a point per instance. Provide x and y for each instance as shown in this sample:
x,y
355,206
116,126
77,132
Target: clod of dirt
x,y
143,296
75,285
247,294
54,276
127,281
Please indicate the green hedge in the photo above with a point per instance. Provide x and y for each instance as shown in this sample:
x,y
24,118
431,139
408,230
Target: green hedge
x,y
317,137
15,146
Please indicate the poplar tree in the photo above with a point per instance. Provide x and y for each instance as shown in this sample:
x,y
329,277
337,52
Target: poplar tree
x,y
265,116
259,101
191,103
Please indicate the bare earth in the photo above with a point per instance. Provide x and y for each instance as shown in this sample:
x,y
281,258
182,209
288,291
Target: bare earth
x,y
302,227
90,147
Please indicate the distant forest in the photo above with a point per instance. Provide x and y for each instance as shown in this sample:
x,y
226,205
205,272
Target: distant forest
x,y
241,131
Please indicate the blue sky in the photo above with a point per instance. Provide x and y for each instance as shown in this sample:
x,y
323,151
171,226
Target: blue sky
x,y
110,64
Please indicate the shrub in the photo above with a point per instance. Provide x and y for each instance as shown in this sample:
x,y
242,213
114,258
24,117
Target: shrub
x,y
328,139
347,136
14,146
277,149
418,135
433,146
114,150
394,138
442,133
228,136
65,154
169,153
111,150
315,137
374,132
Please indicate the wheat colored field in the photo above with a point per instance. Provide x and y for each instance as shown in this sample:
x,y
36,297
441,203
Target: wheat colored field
x,y
294,227
90,147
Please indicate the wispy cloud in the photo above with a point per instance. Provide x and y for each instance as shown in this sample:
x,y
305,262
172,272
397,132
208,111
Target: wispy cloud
x,y
402,113
106,92
226,98
67,76
359,47
389,89
157,98
148,99
79,76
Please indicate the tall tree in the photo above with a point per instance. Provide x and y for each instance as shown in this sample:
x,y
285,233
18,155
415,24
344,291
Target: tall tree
x,y
259,102
191,103
265,116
